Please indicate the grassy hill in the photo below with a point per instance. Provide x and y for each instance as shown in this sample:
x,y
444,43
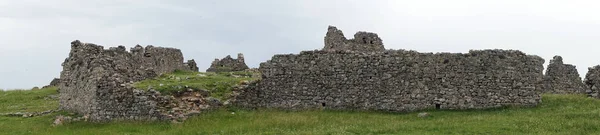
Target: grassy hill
x,y
558,114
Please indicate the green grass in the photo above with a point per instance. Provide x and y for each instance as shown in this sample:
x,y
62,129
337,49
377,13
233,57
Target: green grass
x,y
558,114
28,100
219,84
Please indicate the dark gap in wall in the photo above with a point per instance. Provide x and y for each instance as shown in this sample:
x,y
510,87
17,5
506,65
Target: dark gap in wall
x,y
323,104
446,61
438,106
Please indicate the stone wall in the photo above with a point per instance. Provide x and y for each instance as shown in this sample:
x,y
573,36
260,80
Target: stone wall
x,y
562,78
363,41
396,80
98,83
54,83
592,81
228,64
191,64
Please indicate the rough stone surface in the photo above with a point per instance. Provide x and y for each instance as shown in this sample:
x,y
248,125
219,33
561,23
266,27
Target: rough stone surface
x,y
53,83
99,83
191,64
363,41
562,78
228,64
592,81
396,80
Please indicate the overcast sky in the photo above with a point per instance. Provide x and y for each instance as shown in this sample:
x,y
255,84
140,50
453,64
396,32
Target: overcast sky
x,y
35,35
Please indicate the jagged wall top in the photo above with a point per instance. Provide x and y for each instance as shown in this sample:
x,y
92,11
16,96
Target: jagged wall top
x,y
562,78
362,42
228,64
98,82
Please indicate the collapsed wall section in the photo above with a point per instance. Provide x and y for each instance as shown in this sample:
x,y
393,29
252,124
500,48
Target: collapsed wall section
x,y
228,64
562,78
397,81
99,83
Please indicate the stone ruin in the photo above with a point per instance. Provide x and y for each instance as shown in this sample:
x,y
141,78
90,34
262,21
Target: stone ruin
x,y
54,83
355,74
592,82
98,83
363,41
228,64
359,74
191,64
562,78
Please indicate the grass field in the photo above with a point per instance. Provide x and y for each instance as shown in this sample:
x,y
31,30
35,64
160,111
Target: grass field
x,y
27,100
219,84
558,114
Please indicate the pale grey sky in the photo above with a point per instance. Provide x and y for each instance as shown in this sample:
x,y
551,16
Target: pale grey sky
x,y
35,34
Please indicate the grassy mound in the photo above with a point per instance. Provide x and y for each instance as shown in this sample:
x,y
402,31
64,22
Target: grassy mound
x,y
218,84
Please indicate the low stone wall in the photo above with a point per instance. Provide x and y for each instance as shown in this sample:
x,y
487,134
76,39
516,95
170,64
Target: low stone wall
x,y
397,81
98,83
562,78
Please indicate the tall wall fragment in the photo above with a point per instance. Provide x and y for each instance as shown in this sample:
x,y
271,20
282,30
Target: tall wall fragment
x,y
592,81
562,78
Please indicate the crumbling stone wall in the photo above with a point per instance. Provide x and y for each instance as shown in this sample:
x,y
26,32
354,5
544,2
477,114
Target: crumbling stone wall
x,y
191,64
592,81
54,83
228,64
363,41
396,80
161,60
562,78
98,83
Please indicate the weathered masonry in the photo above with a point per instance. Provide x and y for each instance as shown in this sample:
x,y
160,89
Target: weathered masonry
x,y
98,83
395,80
592,81
228,64
562,78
